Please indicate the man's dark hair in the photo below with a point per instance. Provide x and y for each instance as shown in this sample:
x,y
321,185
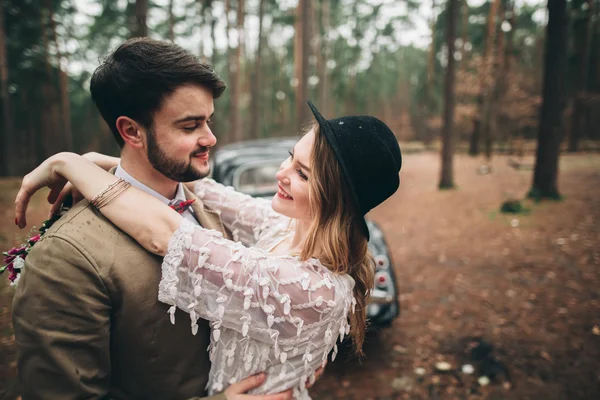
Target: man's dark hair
x,y
134,79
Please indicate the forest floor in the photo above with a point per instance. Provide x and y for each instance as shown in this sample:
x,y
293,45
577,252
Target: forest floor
x,y
526,287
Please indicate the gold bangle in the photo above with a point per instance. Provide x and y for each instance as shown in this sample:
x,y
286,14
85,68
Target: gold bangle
x,y
110,193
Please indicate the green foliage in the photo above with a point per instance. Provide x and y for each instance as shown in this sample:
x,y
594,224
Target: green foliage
x,y
513,207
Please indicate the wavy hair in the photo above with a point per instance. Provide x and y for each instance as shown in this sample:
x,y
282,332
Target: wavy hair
x,y
335,236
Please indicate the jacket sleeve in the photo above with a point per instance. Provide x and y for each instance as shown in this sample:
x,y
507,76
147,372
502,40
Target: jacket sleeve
x,y
245,216
61,317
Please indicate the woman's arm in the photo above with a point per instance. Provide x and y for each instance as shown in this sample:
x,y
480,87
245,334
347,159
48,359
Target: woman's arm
x,y
129,211
245,216
102,160
201,270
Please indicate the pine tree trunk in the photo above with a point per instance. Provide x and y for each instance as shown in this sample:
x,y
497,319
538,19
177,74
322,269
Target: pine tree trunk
x,y
581,85
65,101
232,75
172,24
302,51
213,40
447,172
464,11
7,137
504,69
428,104
325,55
550,132
257,80
236,114
481,122
140,28
50,115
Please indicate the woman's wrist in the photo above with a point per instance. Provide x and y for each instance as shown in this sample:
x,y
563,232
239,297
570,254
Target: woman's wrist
x,y
62,162
102,160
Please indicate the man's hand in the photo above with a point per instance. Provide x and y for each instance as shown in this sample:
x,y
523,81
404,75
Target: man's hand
x,y
237,390
318,374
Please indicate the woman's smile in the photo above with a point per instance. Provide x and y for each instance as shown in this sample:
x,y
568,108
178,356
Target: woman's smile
x,y
283,194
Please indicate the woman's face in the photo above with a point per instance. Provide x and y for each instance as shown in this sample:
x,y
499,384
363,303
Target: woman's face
x,y
291,198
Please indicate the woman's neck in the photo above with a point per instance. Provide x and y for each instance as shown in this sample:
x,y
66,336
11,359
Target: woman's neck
x,y
300,234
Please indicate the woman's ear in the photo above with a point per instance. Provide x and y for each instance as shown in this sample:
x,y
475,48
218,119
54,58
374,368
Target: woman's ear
x,y
130,131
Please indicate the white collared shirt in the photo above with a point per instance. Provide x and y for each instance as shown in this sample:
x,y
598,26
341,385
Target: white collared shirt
x,y
180,195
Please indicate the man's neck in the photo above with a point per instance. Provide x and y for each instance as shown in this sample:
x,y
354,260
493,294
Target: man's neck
x,y
140,168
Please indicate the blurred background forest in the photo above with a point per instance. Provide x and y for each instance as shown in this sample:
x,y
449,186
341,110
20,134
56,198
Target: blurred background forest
x,y
382,57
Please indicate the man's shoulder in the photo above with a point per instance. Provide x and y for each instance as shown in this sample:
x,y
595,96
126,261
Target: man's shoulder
x,y
84,226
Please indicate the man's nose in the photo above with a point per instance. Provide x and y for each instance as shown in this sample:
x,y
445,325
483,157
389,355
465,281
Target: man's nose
x,y
208,139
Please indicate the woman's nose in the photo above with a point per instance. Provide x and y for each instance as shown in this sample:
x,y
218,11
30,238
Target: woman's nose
x,y
282,174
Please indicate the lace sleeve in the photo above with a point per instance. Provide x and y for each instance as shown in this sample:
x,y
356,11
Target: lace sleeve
x,y
247,217
265,296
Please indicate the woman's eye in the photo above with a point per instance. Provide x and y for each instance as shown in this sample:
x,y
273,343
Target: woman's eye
x,y
302,175
291,154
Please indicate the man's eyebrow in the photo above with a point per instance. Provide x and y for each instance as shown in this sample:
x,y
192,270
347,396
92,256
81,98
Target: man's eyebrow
x,y
193,118
302,165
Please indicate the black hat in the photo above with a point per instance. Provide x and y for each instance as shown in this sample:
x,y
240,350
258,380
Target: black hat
x,y
369,156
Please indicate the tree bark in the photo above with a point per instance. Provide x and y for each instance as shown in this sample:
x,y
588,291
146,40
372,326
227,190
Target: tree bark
x,y
65,101
302,51
140,27
428,104
257,81
447,172
7,139
581,85
172,24
232,75
504,69
213,40
50,115
236,113
481,121
324,55
550,132
465,28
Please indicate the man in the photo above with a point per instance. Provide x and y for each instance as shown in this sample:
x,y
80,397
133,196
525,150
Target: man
x,y
86,316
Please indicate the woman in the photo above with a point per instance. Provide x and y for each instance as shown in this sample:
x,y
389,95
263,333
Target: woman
x,y
279,304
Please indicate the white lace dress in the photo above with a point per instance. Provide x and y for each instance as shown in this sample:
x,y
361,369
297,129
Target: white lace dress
x,y
268,312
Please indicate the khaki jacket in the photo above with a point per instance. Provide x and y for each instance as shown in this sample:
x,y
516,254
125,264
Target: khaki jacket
x,y
88,324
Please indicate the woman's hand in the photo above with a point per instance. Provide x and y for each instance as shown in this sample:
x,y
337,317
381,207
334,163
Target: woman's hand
x,y
43,176
68,191
103,161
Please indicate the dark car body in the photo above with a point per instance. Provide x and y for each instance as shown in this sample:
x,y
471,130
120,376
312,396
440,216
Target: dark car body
x,y
250,167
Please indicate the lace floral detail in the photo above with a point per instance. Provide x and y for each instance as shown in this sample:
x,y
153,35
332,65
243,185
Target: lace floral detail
x,y
268,313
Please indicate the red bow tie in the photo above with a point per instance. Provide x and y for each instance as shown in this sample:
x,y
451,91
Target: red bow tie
x,y
182,205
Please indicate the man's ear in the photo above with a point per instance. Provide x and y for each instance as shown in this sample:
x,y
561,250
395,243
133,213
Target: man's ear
x,y
130,131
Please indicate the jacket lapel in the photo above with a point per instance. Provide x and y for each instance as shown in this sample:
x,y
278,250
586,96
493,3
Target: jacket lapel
x,y
206,217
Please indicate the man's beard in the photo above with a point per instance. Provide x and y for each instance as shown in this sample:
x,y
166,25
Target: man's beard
x,y
179,171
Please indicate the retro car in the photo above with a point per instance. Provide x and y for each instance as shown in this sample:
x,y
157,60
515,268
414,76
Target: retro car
x,y
250,167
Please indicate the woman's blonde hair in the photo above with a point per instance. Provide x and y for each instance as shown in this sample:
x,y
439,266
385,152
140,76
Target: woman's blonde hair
x,y
335,236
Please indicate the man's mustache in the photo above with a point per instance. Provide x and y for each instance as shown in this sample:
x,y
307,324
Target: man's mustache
x,y
201,150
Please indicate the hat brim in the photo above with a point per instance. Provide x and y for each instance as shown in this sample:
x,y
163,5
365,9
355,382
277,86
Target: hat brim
x,y
327,131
